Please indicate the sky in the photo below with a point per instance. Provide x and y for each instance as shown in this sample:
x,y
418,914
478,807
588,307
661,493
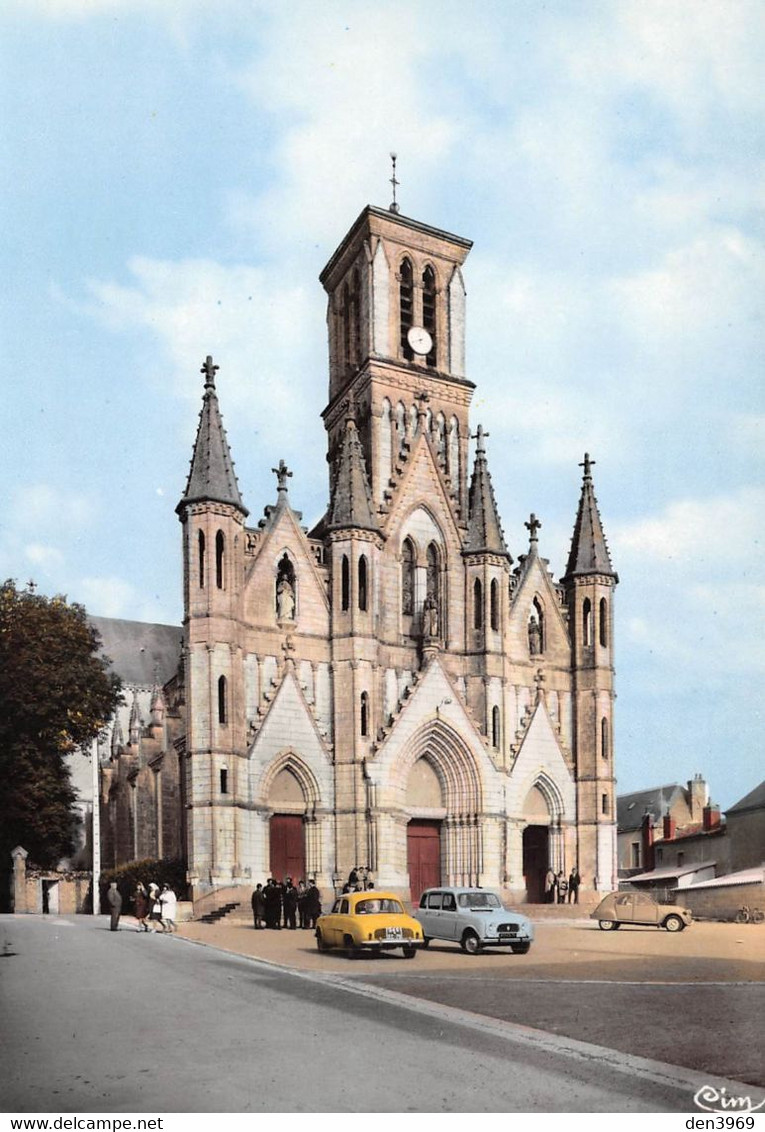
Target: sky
x,y
175,177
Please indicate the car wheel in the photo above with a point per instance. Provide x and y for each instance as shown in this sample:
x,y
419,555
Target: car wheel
x,y
410,952
674,923
354,952
520,948
321,943
607,925
470,943
426,941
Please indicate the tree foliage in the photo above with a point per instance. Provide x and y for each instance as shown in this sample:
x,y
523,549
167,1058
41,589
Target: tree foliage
x,y
56,694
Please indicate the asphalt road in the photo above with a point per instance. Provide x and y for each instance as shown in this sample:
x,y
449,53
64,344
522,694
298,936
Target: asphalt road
x,y
95,1021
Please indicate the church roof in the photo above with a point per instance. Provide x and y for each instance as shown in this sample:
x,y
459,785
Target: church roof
x,y
589,550
211,476
351,503
140,653
754,800
484,533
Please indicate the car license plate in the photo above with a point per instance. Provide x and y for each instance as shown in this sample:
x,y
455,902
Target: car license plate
x,y
394,933
506,938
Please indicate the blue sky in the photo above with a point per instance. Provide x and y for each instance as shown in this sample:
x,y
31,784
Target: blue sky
x,y
177,174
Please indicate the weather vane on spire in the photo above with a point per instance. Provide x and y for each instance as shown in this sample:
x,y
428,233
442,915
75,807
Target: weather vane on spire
x,y
394,207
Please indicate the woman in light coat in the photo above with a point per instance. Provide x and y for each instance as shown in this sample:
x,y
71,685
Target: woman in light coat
x,y
168,900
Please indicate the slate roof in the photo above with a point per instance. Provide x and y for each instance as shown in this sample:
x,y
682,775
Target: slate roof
x,y
589,550
754,800
211,475
140,653
630,808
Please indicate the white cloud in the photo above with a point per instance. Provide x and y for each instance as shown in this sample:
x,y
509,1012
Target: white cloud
x,y
259,331
721,532
113,596
32,506
46,557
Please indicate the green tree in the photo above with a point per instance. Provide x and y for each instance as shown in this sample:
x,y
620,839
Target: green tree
x,y
56,693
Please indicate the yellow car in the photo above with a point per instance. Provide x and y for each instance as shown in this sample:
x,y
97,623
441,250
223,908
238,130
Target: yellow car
x,y
368,921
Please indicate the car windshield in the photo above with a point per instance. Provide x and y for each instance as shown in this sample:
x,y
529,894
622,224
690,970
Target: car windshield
x,y
478,901
376,906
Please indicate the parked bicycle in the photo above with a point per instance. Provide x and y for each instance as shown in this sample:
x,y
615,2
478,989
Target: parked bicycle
x,y
747,915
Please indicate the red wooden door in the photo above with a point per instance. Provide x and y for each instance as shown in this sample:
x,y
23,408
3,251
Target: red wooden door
x,y
287,843
423,843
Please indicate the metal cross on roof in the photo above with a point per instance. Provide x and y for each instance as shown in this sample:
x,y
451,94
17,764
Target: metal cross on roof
x,y
394,205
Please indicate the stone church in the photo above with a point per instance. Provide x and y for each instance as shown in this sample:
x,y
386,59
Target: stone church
x,y
390,689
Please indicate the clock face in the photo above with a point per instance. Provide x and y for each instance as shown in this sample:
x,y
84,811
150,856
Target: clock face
x,y
419,339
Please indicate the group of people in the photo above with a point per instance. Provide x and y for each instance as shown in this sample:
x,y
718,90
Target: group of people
x,y
558,890
284,905
156,906
359,880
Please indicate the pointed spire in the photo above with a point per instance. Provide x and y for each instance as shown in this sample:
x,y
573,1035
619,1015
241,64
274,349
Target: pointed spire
x,y
157,708
135,722
351,504
211,477
484,533
589,550
118,739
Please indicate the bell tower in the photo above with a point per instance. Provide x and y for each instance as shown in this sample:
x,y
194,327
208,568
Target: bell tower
x,y
396,328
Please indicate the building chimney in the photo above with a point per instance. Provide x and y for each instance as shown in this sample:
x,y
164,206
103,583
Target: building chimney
x,y
646,838
698,797
711,817
670,825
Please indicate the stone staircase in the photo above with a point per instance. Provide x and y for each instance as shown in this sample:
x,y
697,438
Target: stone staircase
x,y
221,913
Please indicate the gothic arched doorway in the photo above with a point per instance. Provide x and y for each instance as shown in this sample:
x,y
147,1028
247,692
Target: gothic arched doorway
x,y
286,833
536,855
536,844
425,804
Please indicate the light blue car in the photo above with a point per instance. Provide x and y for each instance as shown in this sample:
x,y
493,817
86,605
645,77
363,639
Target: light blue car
x,y
474,918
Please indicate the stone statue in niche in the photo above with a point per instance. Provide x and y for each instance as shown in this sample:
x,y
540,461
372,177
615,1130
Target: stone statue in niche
x,y
535,636
285,600
430,618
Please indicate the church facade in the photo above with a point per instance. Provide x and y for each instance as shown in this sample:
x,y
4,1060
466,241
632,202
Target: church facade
x,y
390,689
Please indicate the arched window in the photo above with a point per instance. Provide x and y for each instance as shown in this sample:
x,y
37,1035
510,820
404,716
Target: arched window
x,y
477,604
603,622
433,573
536,629
604,746
363,583
429,309
407,578
494,604
406,306
345,584
364,715
495,728
587,622
286,589
401,425
201,548
220,547
222,700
